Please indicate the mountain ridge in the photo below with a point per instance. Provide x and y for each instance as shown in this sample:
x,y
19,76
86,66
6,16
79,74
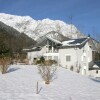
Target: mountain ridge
x,y
37,28
13,39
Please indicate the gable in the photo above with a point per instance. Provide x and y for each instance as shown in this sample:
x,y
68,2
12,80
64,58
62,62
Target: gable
x,y
94,45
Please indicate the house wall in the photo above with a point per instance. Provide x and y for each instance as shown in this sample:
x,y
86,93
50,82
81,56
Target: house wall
x,y
31,56
62,57
93,73
80,58
43,52
86,58
36,54
52,56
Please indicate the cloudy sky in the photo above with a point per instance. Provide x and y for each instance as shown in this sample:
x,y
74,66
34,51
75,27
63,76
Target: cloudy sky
x,y
85,13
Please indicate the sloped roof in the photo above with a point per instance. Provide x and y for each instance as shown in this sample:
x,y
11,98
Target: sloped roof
x,y
54,40
32,49
95,66
76,41
73,42
43,41
97,63
95,45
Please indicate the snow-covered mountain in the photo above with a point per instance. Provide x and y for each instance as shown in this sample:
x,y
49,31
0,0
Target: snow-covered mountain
x,y
37,28
11,39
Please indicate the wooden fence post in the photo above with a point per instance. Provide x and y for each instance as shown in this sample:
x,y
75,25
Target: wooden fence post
x,y
37,87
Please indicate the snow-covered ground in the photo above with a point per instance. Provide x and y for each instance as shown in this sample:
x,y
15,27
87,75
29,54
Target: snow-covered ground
x,y
20,84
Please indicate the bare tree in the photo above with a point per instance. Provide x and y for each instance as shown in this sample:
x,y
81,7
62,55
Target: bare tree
x,y
47,70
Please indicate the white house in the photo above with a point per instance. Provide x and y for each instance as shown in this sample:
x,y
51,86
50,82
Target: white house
x,y
79,54
47,47
94,71
74,54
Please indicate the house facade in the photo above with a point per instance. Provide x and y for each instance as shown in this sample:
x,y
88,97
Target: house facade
x,y
77,55
48,48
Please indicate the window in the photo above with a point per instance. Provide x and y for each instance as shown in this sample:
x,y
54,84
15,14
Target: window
x,y
68,58
56,58
96,71
82,58
50,57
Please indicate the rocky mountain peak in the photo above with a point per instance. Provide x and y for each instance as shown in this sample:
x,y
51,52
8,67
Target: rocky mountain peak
x,y
37,28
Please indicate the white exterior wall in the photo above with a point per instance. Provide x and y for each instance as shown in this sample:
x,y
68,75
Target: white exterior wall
x,y
35,54
93,73
80,57
86,54
52,56
62,57
31,56
43,52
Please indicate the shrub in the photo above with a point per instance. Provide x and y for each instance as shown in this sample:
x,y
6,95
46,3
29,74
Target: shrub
x,y
47,71
5,54
45,62
4,62
42,59
38,62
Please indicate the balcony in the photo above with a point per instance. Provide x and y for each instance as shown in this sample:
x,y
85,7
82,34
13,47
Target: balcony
x,y
52,51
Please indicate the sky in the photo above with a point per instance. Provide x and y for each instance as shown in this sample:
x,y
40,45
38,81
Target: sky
x,y
84,14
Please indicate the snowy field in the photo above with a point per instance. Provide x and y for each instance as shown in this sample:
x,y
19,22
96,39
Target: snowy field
x,y
20,84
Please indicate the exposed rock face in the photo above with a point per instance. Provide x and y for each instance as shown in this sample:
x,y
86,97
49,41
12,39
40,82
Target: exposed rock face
x,y
37,28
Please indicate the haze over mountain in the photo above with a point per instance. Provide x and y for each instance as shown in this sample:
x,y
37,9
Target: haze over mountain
x,y
37,28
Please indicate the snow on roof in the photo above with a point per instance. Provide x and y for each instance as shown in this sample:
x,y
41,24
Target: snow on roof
x,y
67,42
97,64
20,84
73,42
54,40
33,49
